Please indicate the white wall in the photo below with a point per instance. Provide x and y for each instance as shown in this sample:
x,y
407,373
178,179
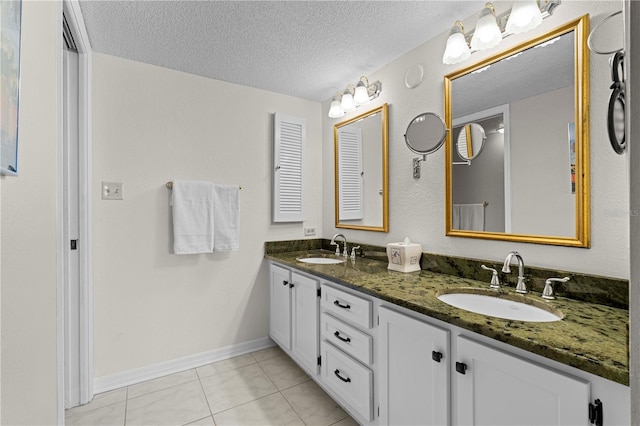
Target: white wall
x,y
152,125
417,206
541,199
29,231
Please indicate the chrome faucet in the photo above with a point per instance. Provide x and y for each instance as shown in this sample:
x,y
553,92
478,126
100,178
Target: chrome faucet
x,y
345,253
520,287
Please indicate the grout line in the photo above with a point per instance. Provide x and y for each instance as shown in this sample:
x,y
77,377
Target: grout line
x,y
291,406
206,399
162,389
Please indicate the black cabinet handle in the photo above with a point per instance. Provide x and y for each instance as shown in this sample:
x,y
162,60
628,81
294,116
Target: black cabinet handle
x,y
337,373
291,285
337,334
285,282
436,356
340,305
461,367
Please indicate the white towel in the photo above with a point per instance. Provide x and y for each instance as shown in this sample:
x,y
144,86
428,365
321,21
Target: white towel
x,y
226,220
193,217
470,217
456,216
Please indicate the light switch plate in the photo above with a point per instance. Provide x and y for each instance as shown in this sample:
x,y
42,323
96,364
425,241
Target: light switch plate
x,y
112,190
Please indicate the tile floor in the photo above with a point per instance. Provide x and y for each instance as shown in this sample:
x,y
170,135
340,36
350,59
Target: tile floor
x,y
262,388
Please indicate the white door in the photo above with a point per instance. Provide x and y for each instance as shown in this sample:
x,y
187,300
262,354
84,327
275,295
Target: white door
x,y
280,306
501,389
414,370
305,330
71,231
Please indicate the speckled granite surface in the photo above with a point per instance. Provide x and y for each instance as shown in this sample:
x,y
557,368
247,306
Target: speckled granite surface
x,y
591,337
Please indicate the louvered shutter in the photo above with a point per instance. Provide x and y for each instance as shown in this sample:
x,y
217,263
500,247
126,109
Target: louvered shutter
x,y
288,158
350,174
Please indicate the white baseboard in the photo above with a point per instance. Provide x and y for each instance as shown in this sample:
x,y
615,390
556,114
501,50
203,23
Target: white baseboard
x,y
137,375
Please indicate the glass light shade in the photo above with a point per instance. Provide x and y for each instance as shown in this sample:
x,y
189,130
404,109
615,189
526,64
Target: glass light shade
x,y
457,49
362,94
335,111
525,15
347,103
487,33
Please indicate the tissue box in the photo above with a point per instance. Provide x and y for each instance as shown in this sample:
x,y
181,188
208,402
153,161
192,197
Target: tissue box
x,y
404,256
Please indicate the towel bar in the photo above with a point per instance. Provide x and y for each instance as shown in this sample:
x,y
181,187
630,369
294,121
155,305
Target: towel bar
x,y
170,185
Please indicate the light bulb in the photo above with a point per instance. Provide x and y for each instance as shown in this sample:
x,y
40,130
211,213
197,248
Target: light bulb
x,y
457,49
361,96
525,15
347,103
487,33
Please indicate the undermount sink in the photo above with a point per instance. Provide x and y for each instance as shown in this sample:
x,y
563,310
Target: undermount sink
x,y
319,259
501,305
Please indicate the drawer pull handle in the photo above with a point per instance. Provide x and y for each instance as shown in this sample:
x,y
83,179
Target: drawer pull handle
x,y
461,367
337,334
340,305
337,373
436,356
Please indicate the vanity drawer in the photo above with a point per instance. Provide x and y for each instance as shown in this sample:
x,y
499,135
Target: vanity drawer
x,y
350,340
346,306
350,380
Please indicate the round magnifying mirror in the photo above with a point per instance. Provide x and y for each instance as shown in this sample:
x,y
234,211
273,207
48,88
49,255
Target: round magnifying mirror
x,y
425,133
470,141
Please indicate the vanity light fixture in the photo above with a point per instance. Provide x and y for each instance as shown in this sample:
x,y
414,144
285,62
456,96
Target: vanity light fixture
x,y
361,96
335,111
347,104
490,29
487,33
525,16
354,96
457,49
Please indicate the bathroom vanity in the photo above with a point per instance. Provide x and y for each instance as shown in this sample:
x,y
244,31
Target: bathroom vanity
x,y
384,347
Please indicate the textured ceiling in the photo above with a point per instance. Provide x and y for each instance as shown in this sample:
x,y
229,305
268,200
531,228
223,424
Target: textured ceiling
x,y
307,49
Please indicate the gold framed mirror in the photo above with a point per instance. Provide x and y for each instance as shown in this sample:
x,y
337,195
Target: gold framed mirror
x,y
361,154
531,181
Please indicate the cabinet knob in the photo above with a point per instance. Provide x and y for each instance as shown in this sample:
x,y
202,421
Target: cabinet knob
x,y
337,373
436,356
461,367
291,285
285,282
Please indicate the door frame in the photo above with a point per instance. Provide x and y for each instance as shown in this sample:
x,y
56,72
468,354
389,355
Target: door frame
x,y
73,13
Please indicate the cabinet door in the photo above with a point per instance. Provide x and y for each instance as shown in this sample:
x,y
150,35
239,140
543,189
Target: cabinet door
x,y
414,387
305,324
288,156
501,389
280,306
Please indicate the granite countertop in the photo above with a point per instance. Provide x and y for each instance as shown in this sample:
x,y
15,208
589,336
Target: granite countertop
x,y
591,337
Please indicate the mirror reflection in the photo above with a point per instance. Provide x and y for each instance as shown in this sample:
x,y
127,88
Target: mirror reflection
x,y
470,141
361,171
530,182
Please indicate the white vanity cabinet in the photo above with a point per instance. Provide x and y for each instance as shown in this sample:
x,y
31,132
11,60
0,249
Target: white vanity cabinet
x,y
495,388
387,365
293,319
413,371
347,350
